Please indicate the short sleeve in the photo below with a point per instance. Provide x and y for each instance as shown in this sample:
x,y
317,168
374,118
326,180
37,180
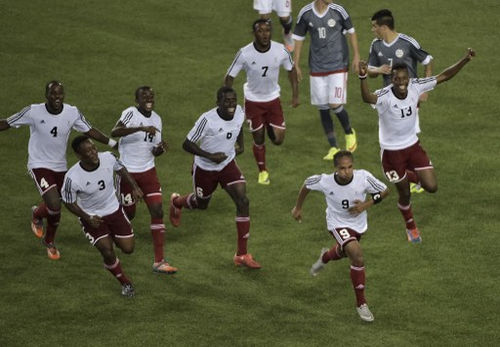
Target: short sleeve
x,y
237,64
81,123
424,84
199,129
23,117
287,61
313,183
372,57
126,117
373,185
69,191
300,30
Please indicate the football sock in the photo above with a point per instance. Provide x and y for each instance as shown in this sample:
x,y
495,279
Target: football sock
x,y
411,176
333,254
186,201
116,270
158,234
358,282
407,216
41,211
343,118
259,152
327,123
243,228
287,24
53,219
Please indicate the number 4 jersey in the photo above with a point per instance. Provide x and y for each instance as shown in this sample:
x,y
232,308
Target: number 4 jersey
x,y
49,134
340,197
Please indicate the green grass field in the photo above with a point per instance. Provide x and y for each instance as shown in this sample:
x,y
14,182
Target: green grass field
x,y
443,292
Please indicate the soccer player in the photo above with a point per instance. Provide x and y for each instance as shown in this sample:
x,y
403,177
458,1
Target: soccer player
x,y
89,193
140,132
283,9
403,159
50,125
328,24
345,192
261,61
215,140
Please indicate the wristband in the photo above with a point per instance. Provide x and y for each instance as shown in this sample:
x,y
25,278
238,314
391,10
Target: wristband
x,y
377,197
111,143
362,77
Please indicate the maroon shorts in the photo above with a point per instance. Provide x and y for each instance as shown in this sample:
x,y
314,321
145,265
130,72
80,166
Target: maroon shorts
x,y
345,235
264,113
149,184
205,182
395,163
115,225
46,179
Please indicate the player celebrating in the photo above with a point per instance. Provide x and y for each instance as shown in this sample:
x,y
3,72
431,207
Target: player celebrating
x,y
283,9
50,125
89,193
218,131
400,146
345,193
328,64
140,129
261,61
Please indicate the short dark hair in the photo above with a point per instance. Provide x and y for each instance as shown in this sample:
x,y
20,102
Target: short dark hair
x,y
223,90
140,89
51,84
261,21
341,154
77,141
399,66
384,17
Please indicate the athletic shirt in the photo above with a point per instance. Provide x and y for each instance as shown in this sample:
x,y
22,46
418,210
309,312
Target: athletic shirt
x,y
397,121
136,148
215,134
328,51
262,69
339,198
93,191
404,49
49,134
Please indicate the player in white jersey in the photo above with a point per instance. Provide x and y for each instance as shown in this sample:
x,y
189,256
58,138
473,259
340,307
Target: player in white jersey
x,y
90,194
140,132
328,25
50,126
215,140
403,159
261,61
283,9
345,193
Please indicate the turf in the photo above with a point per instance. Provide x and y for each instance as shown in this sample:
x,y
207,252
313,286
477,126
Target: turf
x,y
442,292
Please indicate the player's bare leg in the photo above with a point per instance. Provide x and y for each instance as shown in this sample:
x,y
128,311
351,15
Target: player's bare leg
x,y
51,210
404,206
428,180
160,264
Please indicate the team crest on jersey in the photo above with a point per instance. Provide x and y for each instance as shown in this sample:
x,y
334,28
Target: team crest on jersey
x,y
399,53
311,24
380,54
42,122
331,22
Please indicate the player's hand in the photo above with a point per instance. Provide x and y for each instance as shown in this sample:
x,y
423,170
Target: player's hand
x,y
137,193
218,157
385,69
95,221
470,53
150,129
359,206
355,64
299,72
159,148
362,68
297,214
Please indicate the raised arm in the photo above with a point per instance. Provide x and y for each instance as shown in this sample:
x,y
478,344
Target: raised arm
x,y
297,209
455,68
367,97
97,135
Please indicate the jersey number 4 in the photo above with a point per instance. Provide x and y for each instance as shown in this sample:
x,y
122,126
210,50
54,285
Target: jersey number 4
x,y
54,131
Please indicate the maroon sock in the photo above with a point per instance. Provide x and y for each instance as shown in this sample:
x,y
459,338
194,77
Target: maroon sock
x,y
407,216
333,254
411,176
358,282
53,219
186,201
243,228
116,270
158,234
259,152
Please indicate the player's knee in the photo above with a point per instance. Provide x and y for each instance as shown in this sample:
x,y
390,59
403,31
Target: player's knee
x,y
432,188
243,203
278,140
358,261
127,249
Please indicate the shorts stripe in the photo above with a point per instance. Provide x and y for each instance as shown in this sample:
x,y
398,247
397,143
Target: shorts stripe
x,y
125,236
99,238
424,168
235,182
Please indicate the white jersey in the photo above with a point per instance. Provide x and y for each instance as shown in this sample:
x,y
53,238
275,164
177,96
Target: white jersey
x,y
262,69
136,148
397,118
215,134
49,134
93,191
339,198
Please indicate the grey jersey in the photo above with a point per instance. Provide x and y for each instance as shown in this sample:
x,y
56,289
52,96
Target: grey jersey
x,y
328,51
404,49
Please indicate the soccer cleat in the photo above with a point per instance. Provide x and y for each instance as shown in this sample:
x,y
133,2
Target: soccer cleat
x,y
288,40
416,188
264,178
318,265
413,235
52,251
175,212
36,224
128,290
365,313
351,143
164,268
331,152
246,260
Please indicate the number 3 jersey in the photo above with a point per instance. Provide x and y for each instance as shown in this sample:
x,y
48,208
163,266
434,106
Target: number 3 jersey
x,y
49,134
397,122
340,197
136,148
93,191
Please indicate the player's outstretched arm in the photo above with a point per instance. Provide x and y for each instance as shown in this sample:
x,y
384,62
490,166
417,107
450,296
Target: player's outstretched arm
x,y
455,68
297,209
193,148
365,92
97,135
4,125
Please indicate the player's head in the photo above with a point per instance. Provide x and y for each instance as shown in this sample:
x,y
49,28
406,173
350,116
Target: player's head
x,y
400,79
382,21
54,93
145,99
85,149
342,160
226,102
262,30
